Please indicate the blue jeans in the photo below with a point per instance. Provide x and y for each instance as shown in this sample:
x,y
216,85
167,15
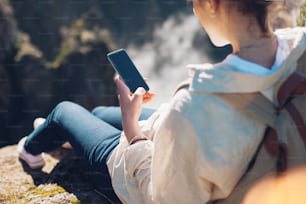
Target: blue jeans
x,y
93,136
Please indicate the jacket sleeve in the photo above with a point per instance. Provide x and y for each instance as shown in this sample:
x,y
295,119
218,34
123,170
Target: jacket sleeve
x,y
138,159
177,164
167,169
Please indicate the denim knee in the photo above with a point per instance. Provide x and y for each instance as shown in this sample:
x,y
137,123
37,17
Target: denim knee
x,y
98,110
65,105
65,108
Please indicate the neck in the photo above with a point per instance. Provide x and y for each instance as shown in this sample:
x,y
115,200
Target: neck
x,y
261,51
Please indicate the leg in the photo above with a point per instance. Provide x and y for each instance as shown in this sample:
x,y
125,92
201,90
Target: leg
x,y
112,115
90,137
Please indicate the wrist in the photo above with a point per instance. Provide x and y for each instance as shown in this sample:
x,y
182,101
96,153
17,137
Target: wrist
x,y
131,129
137,138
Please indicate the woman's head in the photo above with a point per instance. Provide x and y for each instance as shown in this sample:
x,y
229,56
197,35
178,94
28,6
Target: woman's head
x,y
259,9
218,17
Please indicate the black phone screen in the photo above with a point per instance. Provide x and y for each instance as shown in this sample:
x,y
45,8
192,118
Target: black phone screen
x,y
127,70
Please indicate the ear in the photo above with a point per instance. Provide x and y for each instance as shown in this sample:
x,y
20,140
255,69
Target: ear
x,y
211,6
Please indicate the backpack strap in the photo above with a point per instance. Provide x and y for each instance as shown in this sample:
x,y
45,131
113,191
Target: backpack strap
x,y
294,85
262,109
183,85
259,107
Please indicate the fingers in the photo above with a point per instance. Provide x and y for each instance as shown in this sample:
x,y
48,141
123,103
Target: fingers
x,y
138,95
148,97
146,79
140,92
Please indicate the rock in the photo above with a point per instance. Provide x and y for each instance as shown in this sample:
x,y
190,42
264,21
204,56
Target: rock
x,y
59,181
86,78
31,86
8,32
129,21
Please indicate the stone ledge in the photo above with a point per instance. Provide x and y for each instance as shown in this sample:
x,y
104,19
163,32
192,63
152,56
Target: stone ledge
x,y
59,181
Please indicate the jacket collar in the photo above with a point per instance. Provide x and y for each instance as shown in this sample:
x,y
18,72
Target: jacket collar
x,y
224,78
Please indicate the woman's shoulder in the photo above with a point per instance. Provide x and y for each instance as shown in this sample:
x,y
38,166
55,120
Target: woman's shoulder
x,y
189,102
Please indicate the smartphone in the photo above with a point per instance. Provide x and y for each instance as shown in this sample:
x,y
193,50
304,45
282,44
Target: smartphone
x,y
127,70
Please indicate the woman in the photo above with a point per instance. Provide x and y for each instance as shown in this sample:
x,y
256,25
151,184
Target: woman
x,y
195,148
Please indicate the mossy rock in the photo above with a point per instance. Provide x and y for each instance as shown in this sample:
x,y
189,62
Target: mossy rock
x,y
59,181
48,193
301,21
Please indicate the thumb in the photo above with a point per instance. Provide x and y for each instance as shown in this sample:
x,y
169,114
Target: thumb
x,y
137,97
138,94
140,91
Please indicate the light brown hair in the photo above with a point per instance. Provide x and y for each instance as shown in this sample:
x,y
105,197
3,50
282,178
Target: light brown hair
x,y
259,9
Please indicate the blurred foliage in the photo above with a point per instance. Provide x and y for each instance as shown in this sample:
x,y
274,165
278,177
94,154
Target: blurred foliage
x,y
8,30
82,37
301,20
25,47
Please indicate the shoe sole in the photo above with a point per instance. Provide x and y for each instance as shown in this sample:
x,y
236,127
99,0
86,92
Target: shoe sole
x,y
33,165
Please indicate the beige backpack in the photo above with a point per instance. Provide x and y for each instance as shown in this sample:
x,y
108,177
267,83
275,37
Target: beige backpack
x,y
283,145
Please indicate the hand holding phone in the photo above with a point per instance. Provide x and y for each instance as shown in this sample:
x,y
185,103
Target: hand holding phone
x,y
125,67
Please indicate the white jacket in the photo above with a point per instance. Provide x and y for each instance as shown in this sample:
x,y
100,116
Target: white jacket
x,y
200,146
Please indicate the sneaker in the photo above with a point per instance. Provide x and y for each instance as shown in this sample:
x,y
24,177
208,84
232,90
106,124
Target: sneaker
x,y
38,121
33,161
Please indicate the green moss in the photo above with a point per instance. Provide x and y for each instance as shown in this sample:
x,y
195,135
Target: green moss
x,y
39,194
301,20
47,192
75,201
